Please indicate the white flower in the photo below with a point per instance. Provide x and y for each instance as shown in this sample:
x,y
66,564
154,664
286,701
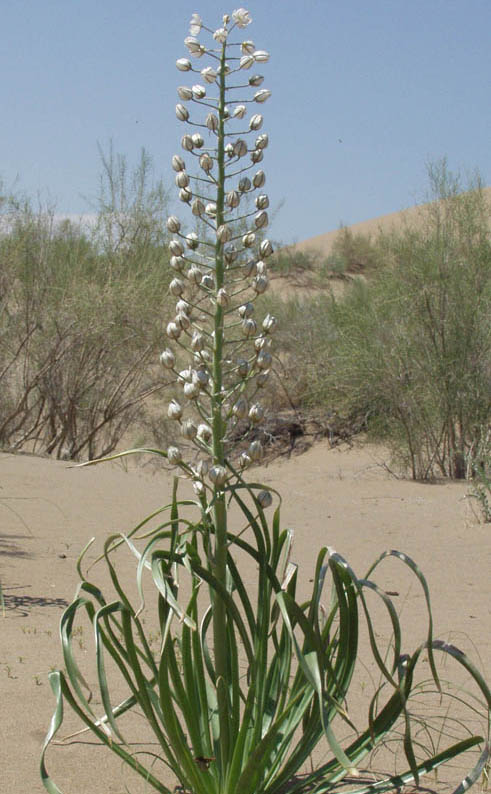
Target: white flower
x,y
197,208
224,233
182,179
177,262
261,141
191,390
167,359
176,248
262,202
249,327
260,284
185,195
174,411
240,148
247,47
240,408
211,122
204,434
197,342
176,287
211,209
206,162
218,475
208,74
182,112
194,47
256,80
256,122
178,163
183,307
256,450
187,143
232,198
198,91
173,224
174,455
269,323
220,35
248,239
246,62
266,248
261,219
256,413
244,184
246,310
189,429
183,64
241,17
222,298
262,95
243,367
192,240
244,460
195,25
264,359
198,140
194,274
256,156
239,112
259,179
173,331
184,92
261,56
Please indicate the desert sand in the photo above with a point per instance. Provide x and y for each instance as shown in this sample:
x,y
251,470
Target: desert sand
x,y
342,497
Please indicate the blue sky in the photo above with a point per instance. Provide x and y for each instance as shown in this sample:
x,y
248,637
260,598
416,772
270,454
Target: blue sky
x,y
365,93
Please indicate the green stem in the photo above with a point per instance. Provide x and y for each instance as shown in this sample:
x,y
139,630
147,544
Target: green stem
x,y
220,512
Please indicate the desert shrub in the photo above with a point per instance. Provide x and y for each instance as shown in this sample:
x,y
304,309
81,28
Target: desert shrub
x,y
353,252
408,350
80,317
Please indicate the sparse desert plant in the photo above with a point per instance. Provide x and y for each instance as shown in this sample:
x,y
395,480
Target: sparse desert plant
x,y
247,679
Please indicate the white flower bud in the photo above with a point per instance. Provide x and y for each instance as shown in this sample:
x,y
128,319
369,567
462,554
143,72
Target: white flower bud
x,y
256,413
240,408
259,179
206,162
249,327
246,61
240,148
243,367
265,499
204,434
208,282
261,56
262,141
239,112
177,263
224,233
198,488
173,224
202,466
197,342
229,150
182,321
194,274
198,140
185,375
174,455
211,122
176,286
191,390
262,95
220,35
241,17
269,324
264,359
244,460
183,307
189,429
167,359
256,156
260,284
222,298
247,47
244,184
197,208
178,163
266,248
176,247
187,143
218,475
262,379
232,198
256,450
230,254
256,122
211,209
198,91
182,112
182,179
261,219
173,331
246,310
183,64
262,202
174,411
248,239
185,195
184,92
194,47
261,342
208,74
195,25
256,80
192,241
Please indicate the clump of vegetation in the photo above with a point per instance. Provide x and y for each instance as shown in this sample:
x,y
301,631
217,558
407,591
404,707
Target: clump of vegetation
x,y
79,319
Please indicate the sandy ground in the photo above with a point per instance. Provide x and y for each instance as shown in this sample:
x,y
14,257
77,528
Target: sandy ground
x,y
338,497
